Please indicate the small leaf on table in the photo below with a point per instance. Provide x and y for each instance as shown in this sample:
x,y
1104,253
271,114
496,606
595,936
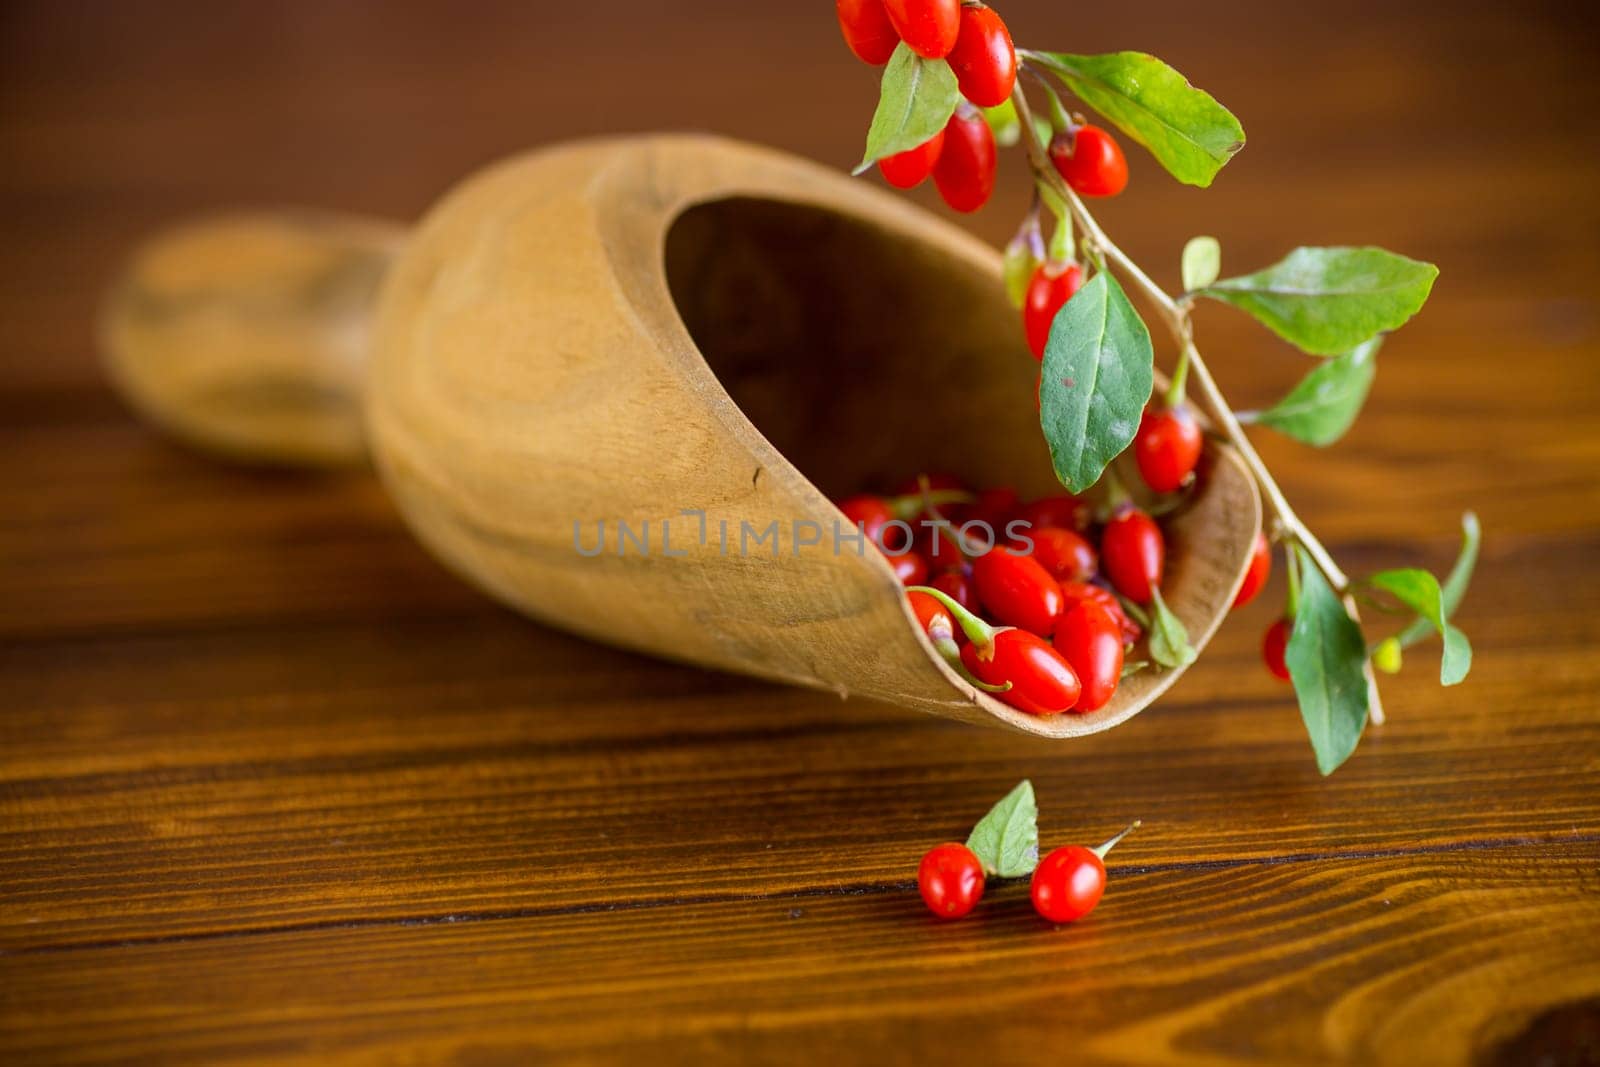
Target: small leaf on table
x,y
1187,131
1097,375
915,100
1419,591
1326,301
1006,841
1326,659
1321,408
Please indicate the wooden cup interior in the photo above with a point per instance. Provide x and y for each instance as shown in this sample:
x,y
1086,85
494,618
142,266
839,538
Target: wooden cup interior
x,y
862,357
865,356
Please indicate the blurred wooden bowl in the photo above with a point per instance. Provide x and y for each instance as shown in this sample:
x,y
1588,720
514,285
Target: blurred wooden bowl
x,y
622,331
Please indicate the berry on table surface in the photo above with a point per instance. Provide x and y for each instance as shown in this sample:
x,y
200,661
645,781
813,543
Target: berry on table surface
x,y
950,879
1069,882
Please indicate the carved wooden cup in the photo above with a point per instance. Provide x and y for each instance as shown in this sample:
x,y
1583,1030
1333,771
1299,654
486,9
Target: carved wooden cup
x,y
670,333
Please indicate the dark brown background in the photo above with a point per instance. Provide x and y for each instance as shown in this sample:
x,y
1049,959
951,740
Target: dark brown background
x,y
273,785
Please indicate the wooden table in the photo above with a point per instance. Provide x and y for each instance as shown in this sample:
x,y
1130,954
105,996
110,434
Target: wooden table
x,y
274,786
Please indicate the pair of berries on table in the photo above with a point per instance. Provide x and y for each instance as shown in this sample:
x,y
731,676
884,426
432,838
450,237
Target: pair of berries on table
x,y
1065,886
970,36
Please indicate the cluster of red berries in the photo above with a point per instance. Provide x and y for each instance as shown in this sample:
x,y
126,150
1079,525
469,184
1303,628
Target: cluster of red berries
x,y
1063,604
1032,568
962,158
1066,885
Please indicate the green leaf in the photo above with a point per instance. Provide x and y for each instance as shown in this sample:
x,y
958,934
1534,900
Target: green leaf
x,y
1169,640
1326,659
1419,591
1003,123
916,99
1326,301
1187,131
1006,840
1202,262
1097,376
1321,408
1455,586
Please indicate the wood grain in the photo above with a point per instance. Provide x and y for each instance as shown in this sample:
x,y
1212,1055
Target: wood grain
x,y
276,787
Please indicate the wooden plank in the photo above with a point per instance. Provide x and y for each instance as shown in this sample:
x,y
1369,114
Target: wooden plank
x,y
1415,957
487,763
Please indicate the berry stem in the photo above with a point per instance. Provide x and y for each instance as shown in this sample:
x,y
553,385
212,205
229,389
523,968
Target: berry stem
x,y
1292,571
978,632
1180,374
1060,120
911,505
1061,239
1101,850
1176,317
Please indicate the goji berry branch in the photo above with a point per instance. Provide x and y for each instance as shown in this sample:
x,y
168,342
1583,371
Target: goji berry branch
x,y
943,61
1175,314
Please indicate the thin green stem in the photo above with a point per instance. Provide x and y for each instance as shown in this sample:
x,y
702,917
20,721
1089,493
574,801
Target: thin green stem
x,y
1291,567
1101,850
1180,374
1175,315
1060,119
1061,238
